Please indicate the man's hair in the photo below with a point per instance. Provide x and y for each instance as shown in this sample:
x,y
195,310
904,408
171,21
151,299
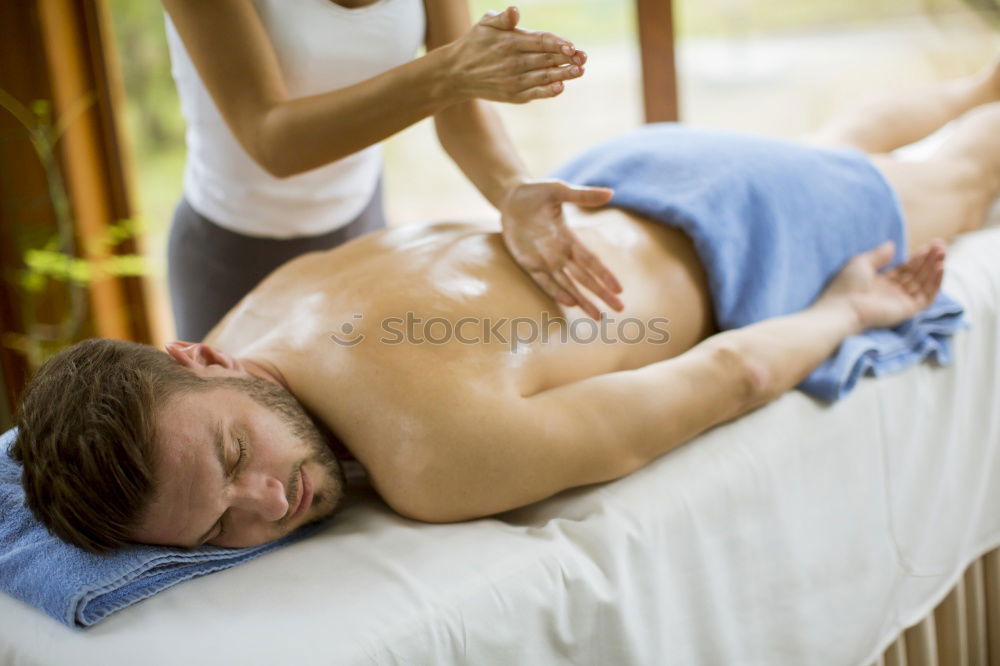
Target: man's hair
x,y
85,438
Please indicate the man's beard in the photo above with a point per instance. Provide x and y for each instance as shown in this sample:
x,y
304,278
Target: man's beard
x,y
284,405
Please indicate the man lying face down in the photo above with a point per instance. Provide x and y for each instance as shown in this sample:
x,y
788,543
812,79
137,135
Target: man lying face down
x,y
461,388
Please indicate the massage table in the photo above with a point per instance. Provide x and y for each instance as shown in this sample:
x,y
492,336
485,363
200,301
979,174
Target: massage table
x,y
802,533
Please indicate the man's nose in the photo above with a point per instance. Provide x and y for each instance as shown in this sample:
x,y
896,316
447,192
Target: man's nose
x,y
264,495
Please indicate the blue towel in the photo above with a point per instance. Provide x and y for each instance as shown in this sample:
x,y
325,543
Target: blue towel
x,y
772,221
79,588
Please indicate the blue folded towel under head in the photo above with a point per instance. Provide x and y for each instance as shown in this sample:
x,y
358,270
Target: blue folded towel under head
x,y
79,588
772,221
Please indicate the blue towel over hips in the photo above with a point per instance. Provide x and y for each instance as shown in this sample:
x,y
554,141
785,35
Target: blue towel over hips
x,y
79,588
772,222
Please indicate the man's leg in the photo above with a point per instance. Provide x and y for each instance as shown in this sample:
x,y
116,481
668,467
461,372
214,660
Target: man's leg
x,y
952,191
883,124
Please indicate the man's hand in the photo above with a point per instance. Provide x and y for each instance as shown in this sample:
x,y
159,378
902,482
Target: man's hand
x,y
888,298
540,241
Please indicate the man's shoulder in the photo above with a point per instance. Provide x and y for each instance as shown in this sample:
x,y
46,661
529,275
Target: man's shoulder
x,y
391,410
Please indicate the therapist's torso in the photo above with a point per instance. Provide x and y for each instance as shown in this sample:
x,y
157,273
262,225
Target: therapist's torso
x,y
320,46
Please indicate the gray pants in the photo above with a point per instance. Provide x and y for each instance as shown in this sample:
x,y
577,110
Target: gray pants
x,y
209,269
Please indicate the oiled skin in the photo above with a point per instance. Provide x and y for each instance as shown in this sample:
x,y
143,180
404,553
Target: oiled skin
x,y
381,399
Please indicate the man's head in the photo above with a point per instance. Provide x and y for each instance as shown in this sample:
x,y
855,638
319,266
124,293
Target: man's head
x,y
123,443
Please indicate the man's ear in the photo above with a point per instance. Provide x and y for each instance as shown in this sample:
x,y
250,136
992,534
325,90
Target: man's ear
x,y
202,359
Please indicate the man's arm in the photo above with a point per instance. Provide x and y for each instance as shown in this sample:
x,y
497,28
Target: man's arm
x,y
521,450
526,449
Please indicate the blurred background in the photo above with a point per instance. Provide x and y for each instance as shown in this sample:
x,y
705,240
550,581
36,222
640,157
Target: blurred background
x,y
778,67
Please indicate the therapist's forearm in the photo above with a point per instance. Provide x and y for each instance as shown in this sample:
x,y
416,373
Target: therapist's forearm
x,y
474,137
781,352
295,135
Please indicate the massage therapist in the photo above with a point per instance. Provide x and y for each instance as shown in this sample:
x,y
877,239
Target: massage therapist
x,y
286,102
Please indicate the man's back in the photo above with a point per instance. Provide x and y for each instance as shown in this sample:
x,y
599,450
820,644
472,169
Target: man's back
x,y
380,337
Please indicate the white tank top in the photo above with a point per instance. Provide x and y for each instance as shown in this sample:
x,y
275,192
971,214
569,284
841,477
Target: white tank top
x,y
320,46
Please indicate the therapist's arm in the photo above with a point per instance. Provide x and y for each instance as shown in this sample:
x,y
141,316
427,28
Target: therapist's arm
x,y
534,230
234,57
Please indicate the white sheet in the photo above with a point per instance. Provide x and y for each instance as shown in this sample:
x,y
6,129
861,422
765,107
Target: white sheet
x,y
800,534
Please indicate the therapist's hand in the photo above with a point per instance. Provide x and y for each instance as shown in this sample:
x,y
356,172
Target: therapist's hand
x,y
542,243
500,62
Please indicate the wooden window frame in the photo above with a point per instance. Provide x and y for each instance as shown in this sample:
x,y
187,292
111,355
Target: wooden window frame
x,y
659,72
61,51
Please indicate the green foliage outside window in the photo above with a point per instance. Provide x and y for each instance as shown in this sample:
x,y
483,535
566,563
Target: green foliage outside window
x,y
52,262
